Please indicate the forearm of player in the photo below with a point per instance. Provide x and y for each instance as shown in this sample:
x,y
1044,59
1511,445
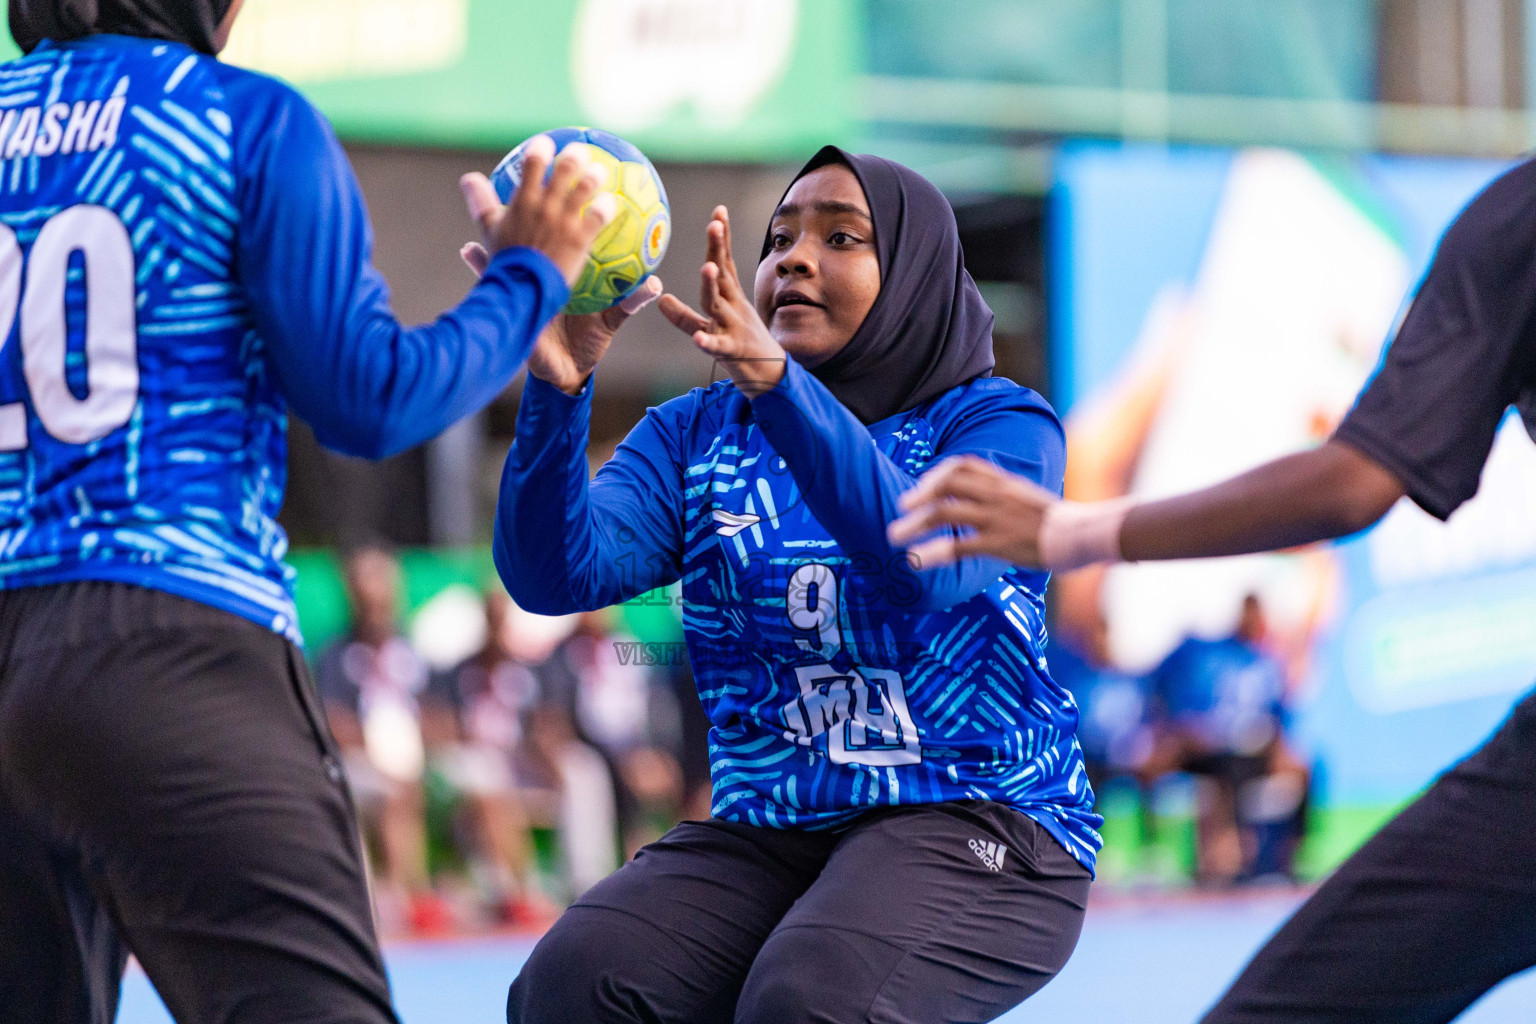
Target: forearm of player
x,y
853,488
543,528
368,386
562,543
405,386
1327,492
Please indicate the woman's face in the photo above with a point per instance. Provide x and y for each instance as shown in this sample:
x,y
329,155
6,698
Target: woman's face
x,y
821,274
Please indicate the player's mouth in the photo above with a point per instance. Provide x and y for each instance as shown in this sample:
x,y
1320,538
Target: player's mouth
x,y
794,302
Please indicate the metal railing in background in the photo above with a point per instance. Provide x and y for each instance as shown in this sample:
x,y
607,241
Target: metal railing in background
x,y
974,96
1014,109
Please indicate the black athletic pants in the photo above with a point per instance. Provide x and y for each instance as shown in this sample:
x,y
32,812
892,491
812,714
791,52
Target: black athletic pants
x,y
911,916
168,787
1431,913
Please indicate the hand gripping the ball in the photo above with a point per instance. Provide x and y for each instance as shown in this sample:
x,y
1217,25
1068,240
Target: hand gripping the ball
x,y
572,345
561,217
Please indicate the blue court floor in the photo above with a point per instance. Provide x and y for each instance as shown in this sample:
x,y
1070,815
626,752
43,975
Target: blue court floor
x,y
1158,961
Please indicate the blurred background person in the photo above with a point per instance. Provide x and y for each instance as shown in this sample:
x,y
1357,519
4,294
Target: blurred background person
x,y
516,760
473,722
370,681
1220,715
625,709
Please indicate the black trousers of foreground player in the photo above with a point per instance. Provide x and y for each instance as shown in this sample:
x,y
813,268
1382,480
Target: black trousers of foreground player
x,y
907,917
168,787
1430,914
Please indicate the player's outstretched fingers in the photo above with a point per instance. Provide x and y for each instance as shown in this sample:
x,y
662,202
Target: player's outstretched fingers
x,y
727,283
718,345
480,197
682,316
536,160
931,554
713,300
714,240
960,476
649,291
475,257
916,522
715,243
634,302
953,493
706,293
932,484
585,187
719,236
599,214
946,513
727,258
570,166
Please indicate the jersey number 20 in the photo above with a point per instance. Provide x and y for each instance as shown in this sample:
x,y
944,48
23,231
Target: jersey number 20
x,y
111,326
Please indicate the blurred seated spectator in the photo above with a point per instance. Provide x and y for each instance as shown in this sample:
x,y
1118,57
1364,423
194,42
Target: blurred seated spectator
x,y
517,763
369,681
1221,716
629,712
576,791
1112,725
472,721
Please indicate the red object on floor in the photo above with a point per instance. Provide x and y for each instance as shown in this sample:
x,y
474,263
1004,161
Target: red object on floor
x,y
431,916
529,913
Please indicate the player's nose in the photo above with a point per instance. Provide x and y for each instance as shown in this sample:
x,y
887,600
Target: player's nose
x,y
796,261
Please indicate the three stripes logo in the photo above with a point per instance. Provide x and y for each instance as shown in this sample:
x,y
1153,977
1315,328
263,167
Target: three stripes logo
x,y
991,854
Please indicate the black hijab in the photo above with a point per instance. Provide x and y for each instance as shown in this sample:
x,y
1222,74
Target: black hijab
x,y
193,22
929,329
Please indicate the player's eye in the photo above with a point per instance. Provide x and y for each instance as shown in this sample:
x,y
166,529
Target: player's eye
x,y
841,238
781,239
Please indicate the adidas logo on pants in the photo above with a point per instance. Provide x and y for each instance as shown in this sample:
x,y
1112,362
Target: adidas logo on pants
x,y
991,854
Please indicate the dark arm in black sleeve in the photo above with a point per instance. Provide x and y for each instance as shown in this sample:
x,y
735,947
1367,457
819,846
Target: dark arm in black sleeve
x,y
1459,358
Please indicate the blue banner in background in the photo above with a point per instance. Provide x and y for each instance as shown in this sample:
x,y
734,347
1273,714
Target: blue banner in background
x,y
1214,309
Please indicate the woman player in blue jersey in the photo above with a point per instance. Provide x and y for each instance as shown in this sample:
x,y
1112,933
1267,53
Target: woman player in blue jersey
x,y
192,236
902,829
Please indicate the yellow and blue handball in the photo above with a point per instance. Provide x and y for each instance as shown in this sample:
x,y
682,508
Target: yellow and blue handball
x,y
630,248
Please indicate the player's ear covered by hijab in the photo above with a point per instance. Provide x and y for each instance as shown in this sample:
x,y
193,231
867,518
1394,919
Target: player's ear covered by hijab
x,y
929,329
193,22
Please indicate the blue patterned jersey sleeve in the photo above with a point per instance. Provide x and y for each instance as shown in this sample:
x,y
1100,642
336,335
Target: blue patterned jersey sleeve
x,y
366,384
853,488
563,545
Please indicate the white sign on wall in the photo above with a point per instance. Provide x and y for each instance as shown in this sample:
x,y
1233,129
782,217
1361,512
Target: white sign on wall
x,y
636,61
319,40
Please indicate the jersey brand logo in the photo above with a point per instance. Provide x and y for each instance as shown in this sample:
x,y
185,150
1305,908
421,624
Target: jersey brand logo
x,y
991,854
732,523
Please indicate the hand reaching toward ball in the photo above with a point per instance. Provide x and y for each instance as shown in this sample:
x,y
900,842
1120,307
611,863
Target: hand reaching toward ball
x,y
727,325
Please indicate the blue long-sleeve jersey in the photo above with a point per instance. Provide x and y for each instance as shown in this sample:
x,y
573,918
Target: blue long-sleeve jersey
x,y
836,678
185,256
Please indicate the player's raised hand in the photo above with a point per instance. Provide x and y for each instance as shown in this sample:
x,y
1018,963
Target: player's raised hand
x,y
571,346
561,217
726,325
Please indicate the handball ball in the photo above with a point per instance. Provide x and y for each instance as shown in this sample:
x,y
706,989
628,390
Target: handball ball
x,y
631,247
